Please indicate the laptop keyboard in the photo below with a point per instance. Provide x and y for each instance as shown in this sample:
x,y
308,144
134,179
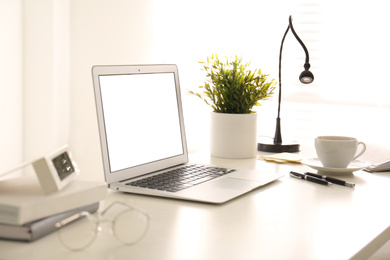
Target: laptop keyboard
x,y
181,178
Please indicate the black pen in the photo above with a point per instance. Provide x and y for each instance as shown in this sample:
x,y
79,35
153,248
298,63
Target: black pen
x,y
331,179
309,178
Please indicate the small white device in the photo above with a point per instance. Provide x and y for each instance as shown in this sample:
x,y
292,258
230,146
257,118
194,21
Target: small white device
x,y
54,171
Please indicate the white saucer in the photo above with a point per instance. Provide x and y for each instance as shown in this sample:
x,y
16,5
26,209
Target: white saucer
x,y
353,166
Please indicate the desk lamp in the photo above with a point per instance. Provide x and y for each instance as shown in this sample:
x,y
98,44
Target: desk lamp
x,y
306,77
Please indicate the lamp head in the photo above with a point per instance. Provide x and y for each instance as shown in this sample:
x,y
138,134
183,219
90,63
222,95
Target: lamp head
x,y
306,76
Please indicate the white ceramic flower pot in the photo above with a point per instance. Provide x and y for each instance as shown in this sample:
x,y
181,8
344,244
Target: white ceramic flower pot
x,y
233,135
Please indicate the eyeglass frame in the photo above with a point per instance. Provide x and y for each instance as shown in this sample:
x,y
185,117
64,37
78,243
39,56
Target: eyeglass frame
x,y
97,221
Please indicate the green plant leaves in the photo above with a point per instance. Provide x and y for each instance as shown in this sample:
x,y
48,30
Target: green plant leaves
x,y
232,88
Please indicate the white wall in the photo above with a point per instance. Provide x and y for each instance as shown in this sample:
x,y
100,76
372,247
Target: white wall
x,y
48,48
45,76
34,70
11,93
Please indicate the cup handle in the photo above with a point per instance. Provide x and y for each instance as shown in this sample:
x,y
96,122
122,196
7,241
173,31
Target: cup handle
x,y
361,152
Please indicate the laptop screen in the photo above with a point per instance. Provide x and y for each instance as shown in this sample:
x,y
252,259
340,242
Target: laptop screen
x,y
141,118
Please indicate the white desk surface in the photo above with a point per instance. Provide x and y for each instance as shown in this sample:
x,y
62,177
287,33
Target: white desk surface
x,y
287,219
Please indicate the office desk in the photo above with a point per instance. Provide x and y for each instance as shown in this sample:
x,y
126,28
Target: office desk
x,y
287,219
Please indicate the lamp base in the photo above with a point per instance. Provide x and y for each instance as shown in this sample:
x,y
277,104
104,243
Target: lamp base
x,y
267,145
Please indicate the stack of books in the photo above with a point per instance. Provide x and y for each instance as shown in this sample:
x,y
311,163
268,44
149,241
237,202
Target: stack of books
x,y
27,214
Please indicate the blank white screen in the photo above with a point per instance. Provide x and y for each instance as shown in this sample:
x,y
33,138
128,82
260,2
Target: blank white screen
x,y
141,118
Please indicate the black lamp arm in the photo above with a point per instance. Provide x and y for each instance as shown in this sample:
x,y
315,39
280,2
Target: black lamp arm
x,y
301,42
280,71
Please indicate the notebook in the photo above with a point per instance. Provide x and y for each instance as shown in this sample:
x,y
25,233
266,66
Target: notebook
x,y
141,128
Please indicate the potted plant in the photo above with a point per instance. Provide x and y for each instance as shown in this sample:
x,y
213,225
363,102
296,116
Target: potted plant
x,y
232,90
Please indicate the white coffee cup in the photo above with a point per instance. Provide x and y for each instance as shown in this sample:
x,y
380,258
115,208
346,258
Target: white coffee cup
x,y
337,151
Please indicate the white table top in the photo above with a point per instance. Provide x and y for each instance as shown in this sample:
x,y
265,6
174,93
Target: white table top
x,y
287,219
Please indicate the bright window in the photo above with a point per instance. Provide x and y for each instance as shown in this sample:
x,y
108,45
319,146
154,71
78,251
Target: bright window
x,y
347,42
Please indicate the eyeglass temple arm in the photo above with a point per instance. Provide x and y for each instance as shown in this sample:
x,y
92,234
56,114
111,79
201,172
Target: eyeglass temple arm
x,y
115,203
71,219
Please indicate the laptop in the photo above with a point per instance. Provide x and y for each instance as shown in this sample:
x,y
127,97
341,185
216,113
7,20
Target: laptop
x,y
142,136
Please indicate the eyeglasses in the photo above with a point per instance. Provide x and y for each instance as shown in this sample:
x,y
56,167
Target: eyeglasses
x,y
128,225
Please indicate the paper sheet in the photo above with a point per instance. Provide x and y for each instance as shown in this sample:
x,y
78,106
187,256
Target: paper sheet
x,y
282,158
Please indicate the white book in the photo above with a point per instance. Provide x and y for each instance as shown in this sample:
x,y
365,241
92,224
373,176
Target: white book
x,y
22,200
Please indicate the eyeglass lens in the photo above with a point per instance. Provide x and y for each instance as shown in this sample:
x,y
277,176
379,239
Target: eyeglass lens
x,y
130,226
85,233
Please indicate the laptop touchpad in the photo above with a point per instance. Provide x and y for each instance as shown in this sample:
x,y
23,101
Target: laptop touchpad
x,y
234,184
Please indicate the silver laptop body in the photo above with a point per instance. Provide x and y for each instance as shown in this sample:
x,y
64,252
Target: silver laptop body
x,y
141,130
